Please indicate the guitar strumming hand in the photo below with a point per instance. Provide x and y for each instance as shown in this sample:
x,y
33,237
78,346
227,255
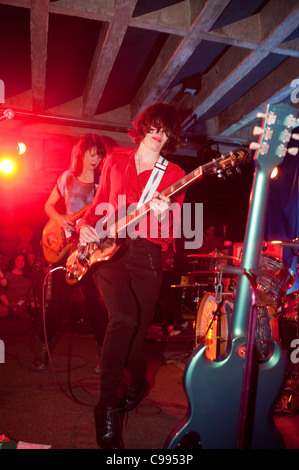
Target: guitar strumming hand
x,y
65,223
88,234
159,205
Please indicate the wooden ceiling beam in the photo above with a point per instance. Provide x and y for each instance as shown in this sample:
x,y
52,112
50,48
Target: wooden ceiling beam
x,y
241,113
174,55
105,55
223,77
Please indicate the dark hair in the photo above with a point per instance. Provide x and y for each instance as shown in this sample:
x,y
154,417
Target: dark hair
x,y
160,116
11,264
82,145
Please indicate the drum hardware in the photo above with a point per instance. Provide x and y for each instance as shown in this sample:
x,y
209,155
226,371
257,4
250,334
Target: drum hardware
x,y
194,291
215,316
289,330
287,243
212,324
204,339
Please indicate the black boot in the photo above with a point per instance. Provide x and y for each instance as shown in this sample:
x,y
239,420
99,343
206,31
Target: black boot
x,y
108,421
133,396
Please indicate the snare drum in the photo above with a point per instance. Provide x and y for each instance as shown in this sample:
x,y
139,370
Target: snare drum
x,y
274,281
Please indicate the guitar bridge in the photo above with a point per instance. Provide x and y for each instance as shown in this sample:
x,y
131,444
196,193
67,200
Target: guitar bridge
x,y
83,254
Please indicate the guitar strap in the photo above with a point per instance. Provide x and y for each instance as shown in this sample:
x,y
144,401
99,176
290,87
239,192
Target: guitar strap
x,y
153,181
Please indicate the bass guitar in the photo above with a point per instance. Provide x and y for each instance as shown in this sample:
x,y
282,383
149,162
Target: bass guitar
x,y
56,241
231,399
83,258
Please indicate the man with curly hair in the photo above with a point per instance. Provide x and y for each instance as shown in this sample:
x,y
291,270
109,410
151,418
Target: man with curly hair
x,y
130,281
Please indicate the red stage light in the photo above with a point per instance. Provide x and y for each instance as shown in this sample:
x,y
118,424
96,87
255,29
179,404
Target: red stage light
x,y
21,148
6,166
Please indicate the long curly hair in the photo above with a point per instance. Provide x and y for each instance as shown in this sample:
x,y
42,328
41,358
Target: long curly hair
x,y
160,116
81,146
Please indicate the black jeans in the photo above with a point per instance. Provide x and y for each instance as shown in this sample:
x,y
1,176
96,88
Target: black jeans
x,y
129,285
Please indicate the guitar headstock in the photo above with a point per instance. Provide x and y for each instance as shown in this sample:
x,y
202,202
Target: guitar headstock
x,y
225,164
275,134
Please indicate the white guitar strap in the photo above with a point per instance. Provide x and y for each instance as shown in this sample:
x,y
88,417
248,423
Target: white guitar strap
x,y
153,181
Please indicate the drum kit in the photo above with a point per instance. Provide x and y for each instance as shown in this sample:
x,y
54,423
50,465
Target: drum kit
x,y
213,292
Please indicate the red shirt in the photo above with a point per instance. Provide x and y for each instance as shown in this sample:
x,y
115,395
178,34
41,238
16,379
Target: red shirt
x,y
119,178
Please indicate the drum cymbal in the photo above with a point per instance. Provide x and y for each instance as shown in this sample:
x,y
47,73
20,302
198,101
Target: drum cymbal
x,y
213,256
289,243
211,273
185,285
201,272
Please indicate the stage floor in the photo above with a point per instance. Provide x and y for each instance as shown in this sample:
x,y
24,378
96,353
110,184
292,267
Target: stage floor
x,y
56,408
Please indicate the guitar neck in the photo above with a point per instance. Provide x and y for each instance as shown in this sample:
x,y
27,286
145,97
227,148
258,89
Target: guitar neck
x,y
252,249
275,133
213,167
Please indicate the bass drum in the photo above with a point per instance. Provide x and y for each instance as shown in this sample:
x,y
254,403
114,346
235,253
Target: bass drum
x,y
207,324
266,329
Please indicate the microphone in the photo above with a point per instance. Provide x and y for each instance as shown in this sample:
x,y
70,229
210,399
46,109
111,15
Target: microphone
x,y
8,114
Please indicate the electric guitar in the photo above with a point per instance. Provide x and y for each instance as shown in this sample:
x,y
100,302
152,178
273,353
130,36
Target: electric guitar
x,y
56,241
83,258
231,399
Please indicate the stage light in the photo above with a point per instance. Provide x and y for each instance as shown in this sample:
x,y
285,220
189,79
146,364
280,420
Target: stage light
x,y
6,166
274,172
21,147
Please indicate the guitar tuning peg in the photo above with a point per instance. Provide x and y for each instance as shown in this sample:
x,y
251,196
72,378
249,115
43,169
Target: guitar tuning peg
x,y
221,175
254,146
261,115
257,130
293,151
295,136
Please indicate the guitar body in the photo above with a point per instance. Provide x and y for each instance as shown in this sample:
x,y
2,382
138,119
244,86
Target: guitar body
x,y
55,242
84,258
214,393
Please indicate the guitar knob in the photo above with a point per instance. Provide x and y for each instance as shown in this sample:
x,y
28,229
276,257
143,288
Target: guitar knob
x,y
220,175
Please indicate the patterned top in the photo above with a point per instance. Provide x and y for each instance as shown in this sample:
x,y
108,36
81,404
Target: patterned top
x,y
75,193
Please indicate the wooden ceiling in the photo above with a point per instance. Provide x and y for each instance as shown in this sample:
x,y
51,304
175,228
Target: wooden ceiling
x,y
95,64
